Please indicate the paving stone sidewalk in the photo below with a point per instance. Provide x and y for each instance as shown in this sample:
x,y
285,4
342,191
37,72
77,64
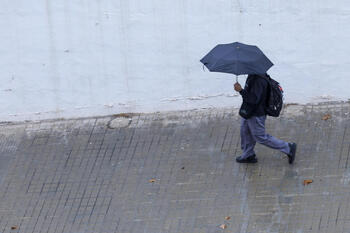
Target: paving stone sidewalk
x,y
175,172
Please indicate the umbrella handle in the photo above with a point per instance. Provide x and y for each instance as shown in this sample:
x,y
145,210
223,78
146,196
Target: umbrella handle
x,y
236,78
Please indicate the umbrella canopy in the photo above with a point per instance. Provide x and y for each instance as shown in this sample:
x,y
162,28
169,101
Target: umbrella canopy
x,y
237,58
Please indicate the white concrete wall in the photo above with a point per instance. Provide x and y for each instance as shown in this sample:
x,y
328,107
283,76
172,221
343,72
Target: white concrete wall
x,y
70,58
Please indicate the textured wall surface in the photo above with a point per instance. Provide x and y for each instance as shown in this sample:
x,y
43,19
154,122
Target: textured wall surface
x,y
86,58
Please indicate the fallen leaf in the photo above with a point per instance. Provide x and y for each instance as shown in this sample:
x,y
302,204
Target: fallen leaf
x,y
14,228
308,181
183,168
223,226
227,218
125,115
326,117
152,180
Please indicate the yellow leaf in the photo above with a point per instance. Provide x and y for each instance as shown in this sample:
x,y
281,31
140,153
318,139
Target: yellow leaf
x,y
152,180
227,218
223,226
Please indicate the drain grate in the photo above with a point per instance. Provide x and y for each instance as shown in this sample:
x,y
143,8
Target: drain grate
x,y
119,122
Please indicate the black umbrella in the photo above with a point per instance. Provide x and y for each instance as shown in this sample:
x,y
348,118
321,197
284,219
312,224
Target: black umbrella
x,y
237,58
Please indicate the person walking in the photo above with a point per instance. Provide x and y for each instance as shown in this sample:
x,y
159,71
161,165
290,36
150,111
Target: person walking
x,y
253,114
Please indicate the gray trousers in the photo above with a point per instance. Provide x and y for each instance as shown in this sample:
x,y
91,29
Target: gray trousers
x,y
252,131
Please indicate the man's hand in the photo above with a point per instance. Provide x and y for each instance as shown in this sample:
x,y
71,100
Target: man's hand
x,y
237,87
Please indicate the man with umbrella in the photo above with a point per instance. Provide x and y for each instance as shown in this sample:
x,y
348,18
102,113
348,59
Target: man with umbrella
x,y
238,58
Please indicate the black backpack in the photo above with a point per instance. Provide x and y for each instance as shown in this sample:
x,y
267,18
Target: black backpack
x,y
274,100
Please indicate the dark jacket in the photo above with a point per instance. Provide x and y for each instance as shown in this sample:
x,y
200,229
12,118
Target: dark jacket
x,y
254,94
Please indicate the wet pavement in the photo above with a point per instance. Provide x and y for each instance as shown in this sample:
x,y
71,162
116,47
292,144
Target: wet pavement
x,y
175,172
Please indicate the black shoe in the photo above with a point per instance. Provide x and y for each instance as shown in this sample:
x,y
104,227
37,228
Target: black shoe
x,y
293,150
250,159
